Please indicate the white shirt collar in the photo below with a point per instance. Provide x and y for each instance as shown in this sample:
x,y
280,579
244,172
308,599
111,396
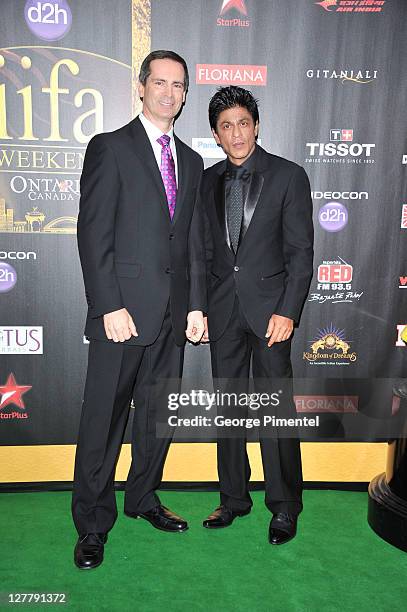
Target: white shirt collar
x,y
153,132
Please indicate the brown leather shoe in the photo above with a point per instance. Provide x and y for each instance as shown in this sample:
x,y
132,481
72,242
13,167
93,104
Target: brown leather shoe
x,y
223,517
162,518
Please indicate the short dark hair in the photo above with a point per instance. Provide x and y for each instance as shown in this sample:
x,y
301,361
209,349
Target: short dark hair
x,y
162,54
229,97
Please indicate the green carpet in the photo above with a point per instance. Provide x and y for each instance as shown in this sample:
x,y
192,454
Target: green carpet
x,y
336,563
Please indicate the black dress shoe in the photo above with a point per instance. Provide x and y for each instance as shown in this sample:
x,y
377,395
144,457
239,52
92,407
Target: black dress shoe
x,y
162,518
283,528
89,550
223,517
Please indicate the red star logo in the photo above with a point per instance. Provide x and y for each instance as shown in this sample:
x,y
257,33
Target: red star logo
x,y
11,393
239,5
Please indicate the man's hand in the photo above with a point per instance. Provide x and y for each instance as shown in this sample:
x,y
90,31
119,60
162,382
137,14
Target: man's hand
x,y
195,326
279,329
205,337
119,326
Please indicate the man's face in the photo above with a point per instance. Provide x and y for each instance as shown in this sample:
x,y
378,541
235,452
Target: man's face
x,y
236,133
164,91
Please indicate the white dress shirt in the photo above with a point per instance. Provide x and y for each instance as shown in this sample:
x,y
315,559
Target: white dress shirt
x,y
153,132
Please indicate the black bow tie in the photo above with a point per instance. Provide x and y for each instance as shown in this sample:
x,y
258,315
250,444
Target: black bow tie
x,y
240,174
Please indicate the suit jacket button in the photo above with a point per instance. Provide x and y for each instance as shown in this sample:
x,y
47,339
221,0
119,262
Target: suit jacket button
x,y
236,268
171,236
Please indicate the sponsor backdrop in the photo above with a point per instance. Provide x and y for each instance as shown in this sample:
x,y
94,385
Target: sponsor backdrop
x,y
329,88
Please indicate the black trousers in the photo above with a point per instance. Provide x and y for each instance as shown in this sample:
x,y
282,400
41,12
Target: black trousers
x,y
281,456
116,373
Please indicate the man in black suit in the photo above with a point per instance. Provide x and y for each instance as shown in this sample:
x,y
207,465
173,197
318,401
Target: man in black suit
x,y
259,240
143,261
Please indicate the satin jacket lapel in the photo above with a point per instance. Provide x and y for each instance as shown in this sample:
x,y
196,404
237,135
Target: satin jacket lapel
x,y
220,204
252,199
144,151
182,179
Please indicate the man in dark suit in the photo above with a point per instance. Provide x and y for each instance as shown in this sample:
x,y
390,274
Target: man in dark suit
x,y
143,261
259,240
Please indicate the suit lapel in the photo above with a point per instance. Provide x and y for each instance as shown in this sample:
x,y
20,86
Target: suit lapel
x,y
256,186
255,190
144,151
182,178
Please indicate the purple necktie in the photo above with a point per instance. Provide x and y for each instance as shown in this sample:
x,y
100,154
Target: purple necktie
x,y
167,169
